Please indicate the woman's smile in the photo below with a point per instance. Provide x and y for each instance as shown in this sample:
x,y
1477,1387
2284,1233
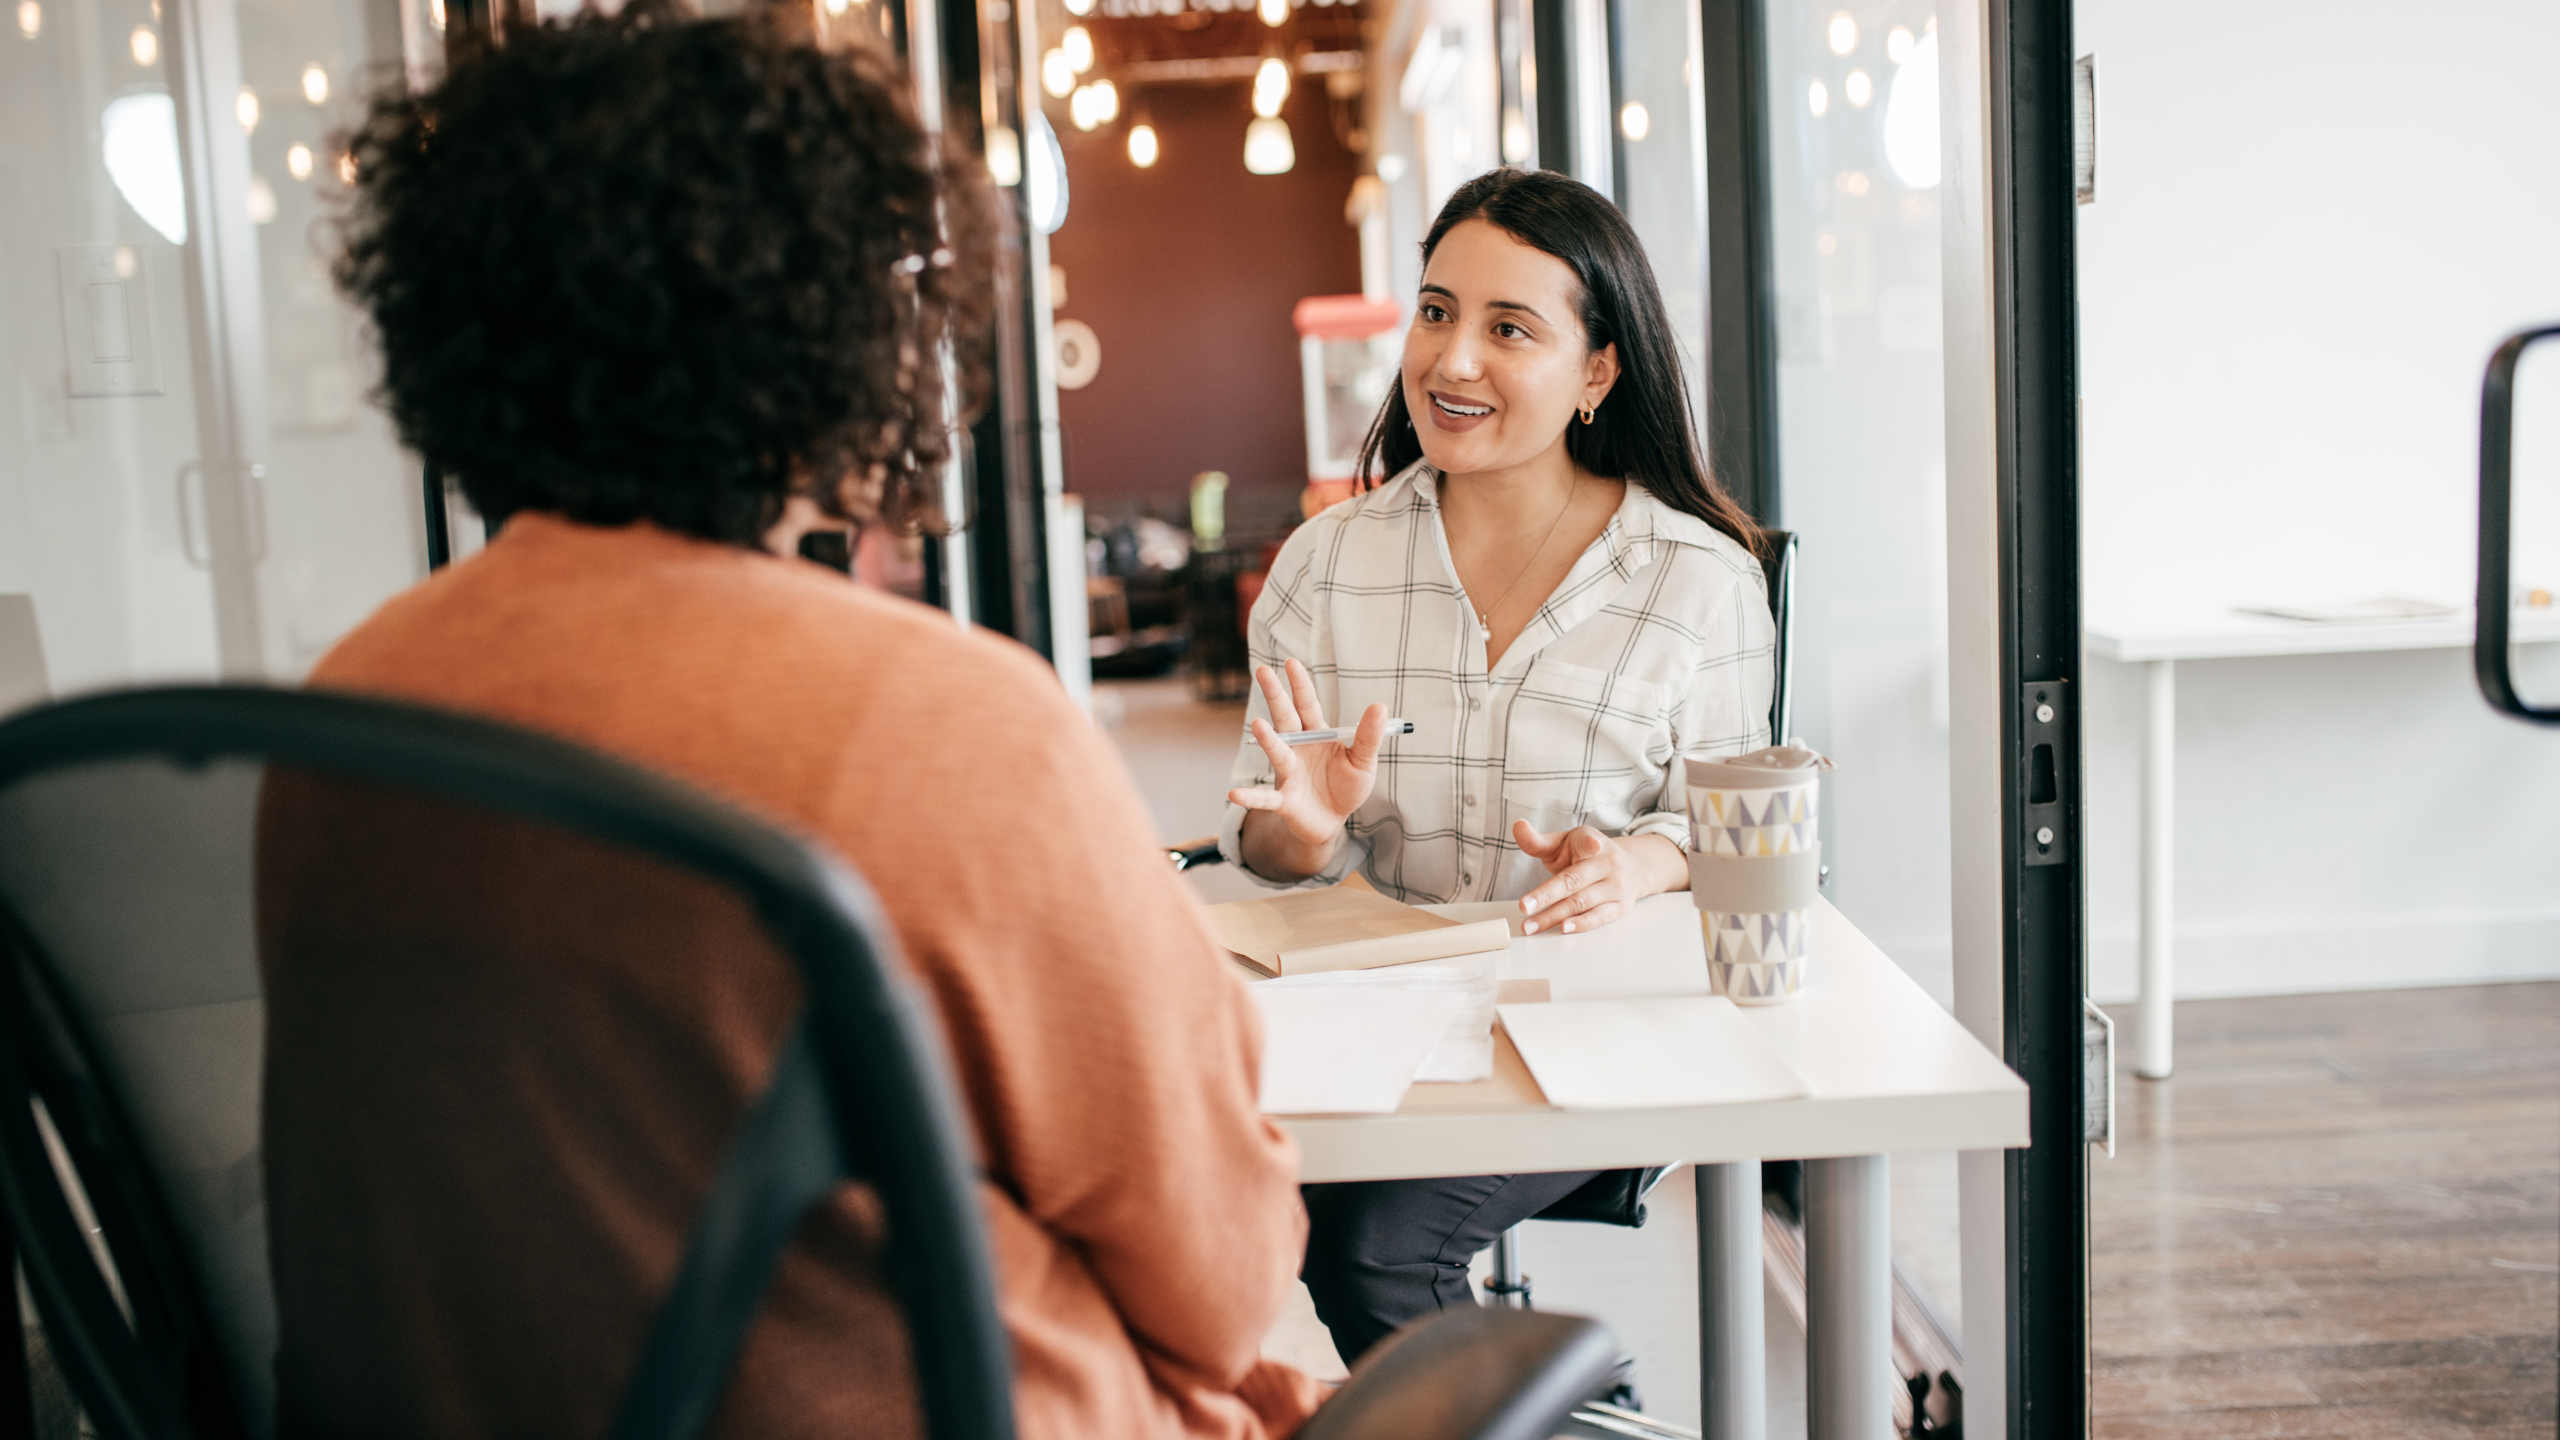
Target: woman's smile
x,y
1456,415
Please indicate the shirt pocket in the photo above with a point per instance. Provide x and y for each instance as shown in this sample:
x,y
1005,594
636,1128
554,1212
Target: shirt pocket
x,y
1584,746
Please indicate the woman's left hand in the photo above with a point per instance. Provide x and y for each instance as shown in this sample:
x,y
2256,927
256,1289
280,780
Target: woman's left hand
x,y
1596,877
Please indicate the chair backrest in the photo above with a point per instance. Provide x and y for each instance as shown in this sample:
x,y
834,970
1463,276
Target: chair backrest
x,y
1780,572
176,866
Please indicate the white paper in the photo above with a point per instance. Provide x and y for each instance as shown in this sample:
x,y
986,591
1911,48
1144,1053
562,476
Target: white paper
x,y
1465,1051
1346,1050
1643,1054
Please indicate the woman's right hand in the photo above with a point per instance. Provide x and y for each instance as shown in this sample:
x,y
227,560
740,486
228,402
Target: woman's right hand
x,y
1314,788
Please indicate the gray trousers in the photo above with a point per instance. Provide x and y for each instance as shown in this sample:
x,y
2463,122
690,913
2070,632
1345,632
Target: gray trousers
x,y
1382,1253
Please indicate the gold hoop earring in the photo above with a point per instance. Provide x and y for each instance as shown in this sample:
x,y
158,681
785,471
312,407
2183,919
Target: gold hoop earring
x,y
1586,413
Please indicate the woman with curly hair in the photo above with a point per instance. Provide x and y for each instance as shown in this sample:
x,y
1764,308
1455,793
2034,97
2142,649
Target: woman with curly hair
x,y
663,293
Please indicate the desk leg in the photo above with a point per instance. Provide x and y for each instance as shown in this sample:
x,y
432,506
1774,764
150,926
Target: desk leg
x,y
2151,1034
1848,1285
1732,1355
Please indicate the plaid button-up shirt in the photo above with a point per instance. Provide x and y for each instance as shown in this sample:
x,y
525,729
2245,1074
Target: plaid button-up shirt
x,y
1658,644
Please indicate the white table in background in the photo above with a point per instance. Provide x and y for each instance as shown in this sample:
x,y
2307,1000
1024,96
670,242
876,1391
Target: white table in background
x,y
2158,644
1887,1069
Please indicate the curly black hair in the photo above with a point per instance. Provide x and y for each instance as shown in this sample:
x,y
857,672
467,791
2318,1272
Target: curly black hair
x,y
661,268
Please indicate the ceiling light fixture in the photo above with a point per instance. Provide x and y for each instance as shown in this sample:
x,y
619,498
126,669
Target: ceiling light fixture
x,y
1268,150
1270,90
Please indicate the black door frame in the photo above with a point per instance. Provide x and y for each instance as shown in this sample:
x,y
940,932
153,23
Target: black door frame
x,y
2035,391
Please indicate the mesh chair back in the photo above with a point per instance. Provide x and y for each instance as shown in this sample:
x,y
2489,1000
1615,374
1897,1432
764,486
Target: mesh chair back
x,y
455,1013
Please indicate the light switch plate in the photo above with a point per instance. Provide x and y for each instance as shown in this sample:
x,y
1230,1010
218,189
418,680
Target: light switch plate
x,y
110,338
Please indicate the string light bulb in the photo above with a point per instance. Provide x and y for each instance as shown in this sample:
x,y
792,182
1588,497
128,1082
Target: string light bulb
x,y
1077,43
1057,74
145,45
1275,13
315,84
246,107
1844,33
297,161
1079,8
1270,87
1142,145
1268,150
1859,89
30,18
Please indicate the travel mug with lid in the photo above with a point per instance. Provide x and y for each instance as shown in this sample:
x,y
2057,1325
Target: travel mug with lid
x,y
1755,860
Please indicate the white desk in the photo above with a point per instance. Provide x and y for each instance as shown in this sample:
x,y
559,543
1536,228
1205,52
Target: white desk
x,y
1888,1070
2158,644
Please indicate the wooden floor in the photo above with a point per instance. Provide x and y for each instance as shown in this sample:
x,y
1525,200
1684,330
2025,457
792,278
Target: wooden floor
x,y
2341,1218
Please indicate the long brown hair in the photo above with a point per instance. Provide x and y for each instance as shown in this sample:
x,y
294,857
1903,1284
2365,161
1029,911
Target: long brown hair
x,y
1643,430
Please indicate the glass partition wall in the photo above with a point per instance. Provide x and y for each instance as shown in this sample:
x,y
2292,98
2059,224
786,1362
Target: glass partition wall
x,y
192,483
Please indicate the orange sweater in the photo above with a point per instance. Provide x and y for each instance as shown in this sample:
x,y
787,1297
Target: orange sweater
x,y
1143,1214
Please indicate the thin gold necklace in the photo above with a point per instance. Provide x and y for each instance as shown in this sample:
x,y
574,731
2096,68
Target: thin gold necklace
x,y
1484,617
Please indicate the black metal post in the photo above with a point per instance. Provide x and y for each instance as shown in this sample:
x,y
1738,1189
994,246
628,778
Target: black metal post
x,y
1742,304
2045,971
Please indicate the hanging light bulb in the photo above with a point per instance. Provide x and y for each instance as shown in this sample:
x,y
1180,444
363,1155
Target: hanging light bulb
x,y
1004,156
30,18
145,44
1057,74
1275,13
1270,87
1106,101
297,162
1268,149
1085,107
1078,45
1079,8
1859,89
1142,145
315,84
246,107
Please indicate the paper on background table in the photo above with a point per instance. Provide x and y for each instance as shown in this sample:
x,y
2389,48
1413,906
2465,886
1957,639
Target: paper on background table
x,y
1465,1051
2356,612
1642,1054
1345,927
1332,1050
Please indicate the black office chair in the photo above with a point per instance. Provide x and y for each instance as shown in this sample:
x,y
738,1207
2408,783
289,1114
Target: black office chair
x,y
133,1024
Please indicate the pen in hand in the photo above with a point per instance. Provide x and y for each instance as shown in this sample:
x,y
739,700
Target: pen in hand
x,y
1338,735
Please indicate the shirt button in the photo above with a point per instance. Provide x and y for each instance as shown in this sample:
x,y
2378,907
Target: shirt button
x,y
1475,704
1471,802
1466,879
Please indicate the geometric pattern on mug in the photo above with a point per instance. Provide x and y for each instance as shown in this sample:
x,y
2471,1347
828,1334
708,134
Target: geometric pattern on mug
x,y
1759,984
1756,939
1755,822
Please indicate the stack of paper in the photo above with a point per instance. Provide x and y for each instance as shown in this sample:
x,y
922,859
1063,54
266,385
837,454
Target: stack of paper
x,y
1465,1048
1633,1054
1332,1050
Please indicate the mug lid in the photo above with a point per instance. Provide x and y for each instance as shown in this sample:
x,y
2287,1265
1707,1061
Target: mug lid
x,y
1767,768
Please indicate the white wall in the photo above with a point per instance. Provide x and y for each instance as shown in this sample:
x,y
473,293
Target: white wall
x,y
2313,223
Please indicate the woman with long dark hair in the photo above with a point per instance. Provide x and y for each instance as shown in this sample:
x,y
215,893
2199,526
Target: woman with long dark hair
x,y
1542,576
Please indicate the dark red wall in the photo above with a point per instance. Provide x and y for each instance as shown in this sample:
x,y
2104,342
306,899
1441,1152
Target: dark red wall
x,y
1187,271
